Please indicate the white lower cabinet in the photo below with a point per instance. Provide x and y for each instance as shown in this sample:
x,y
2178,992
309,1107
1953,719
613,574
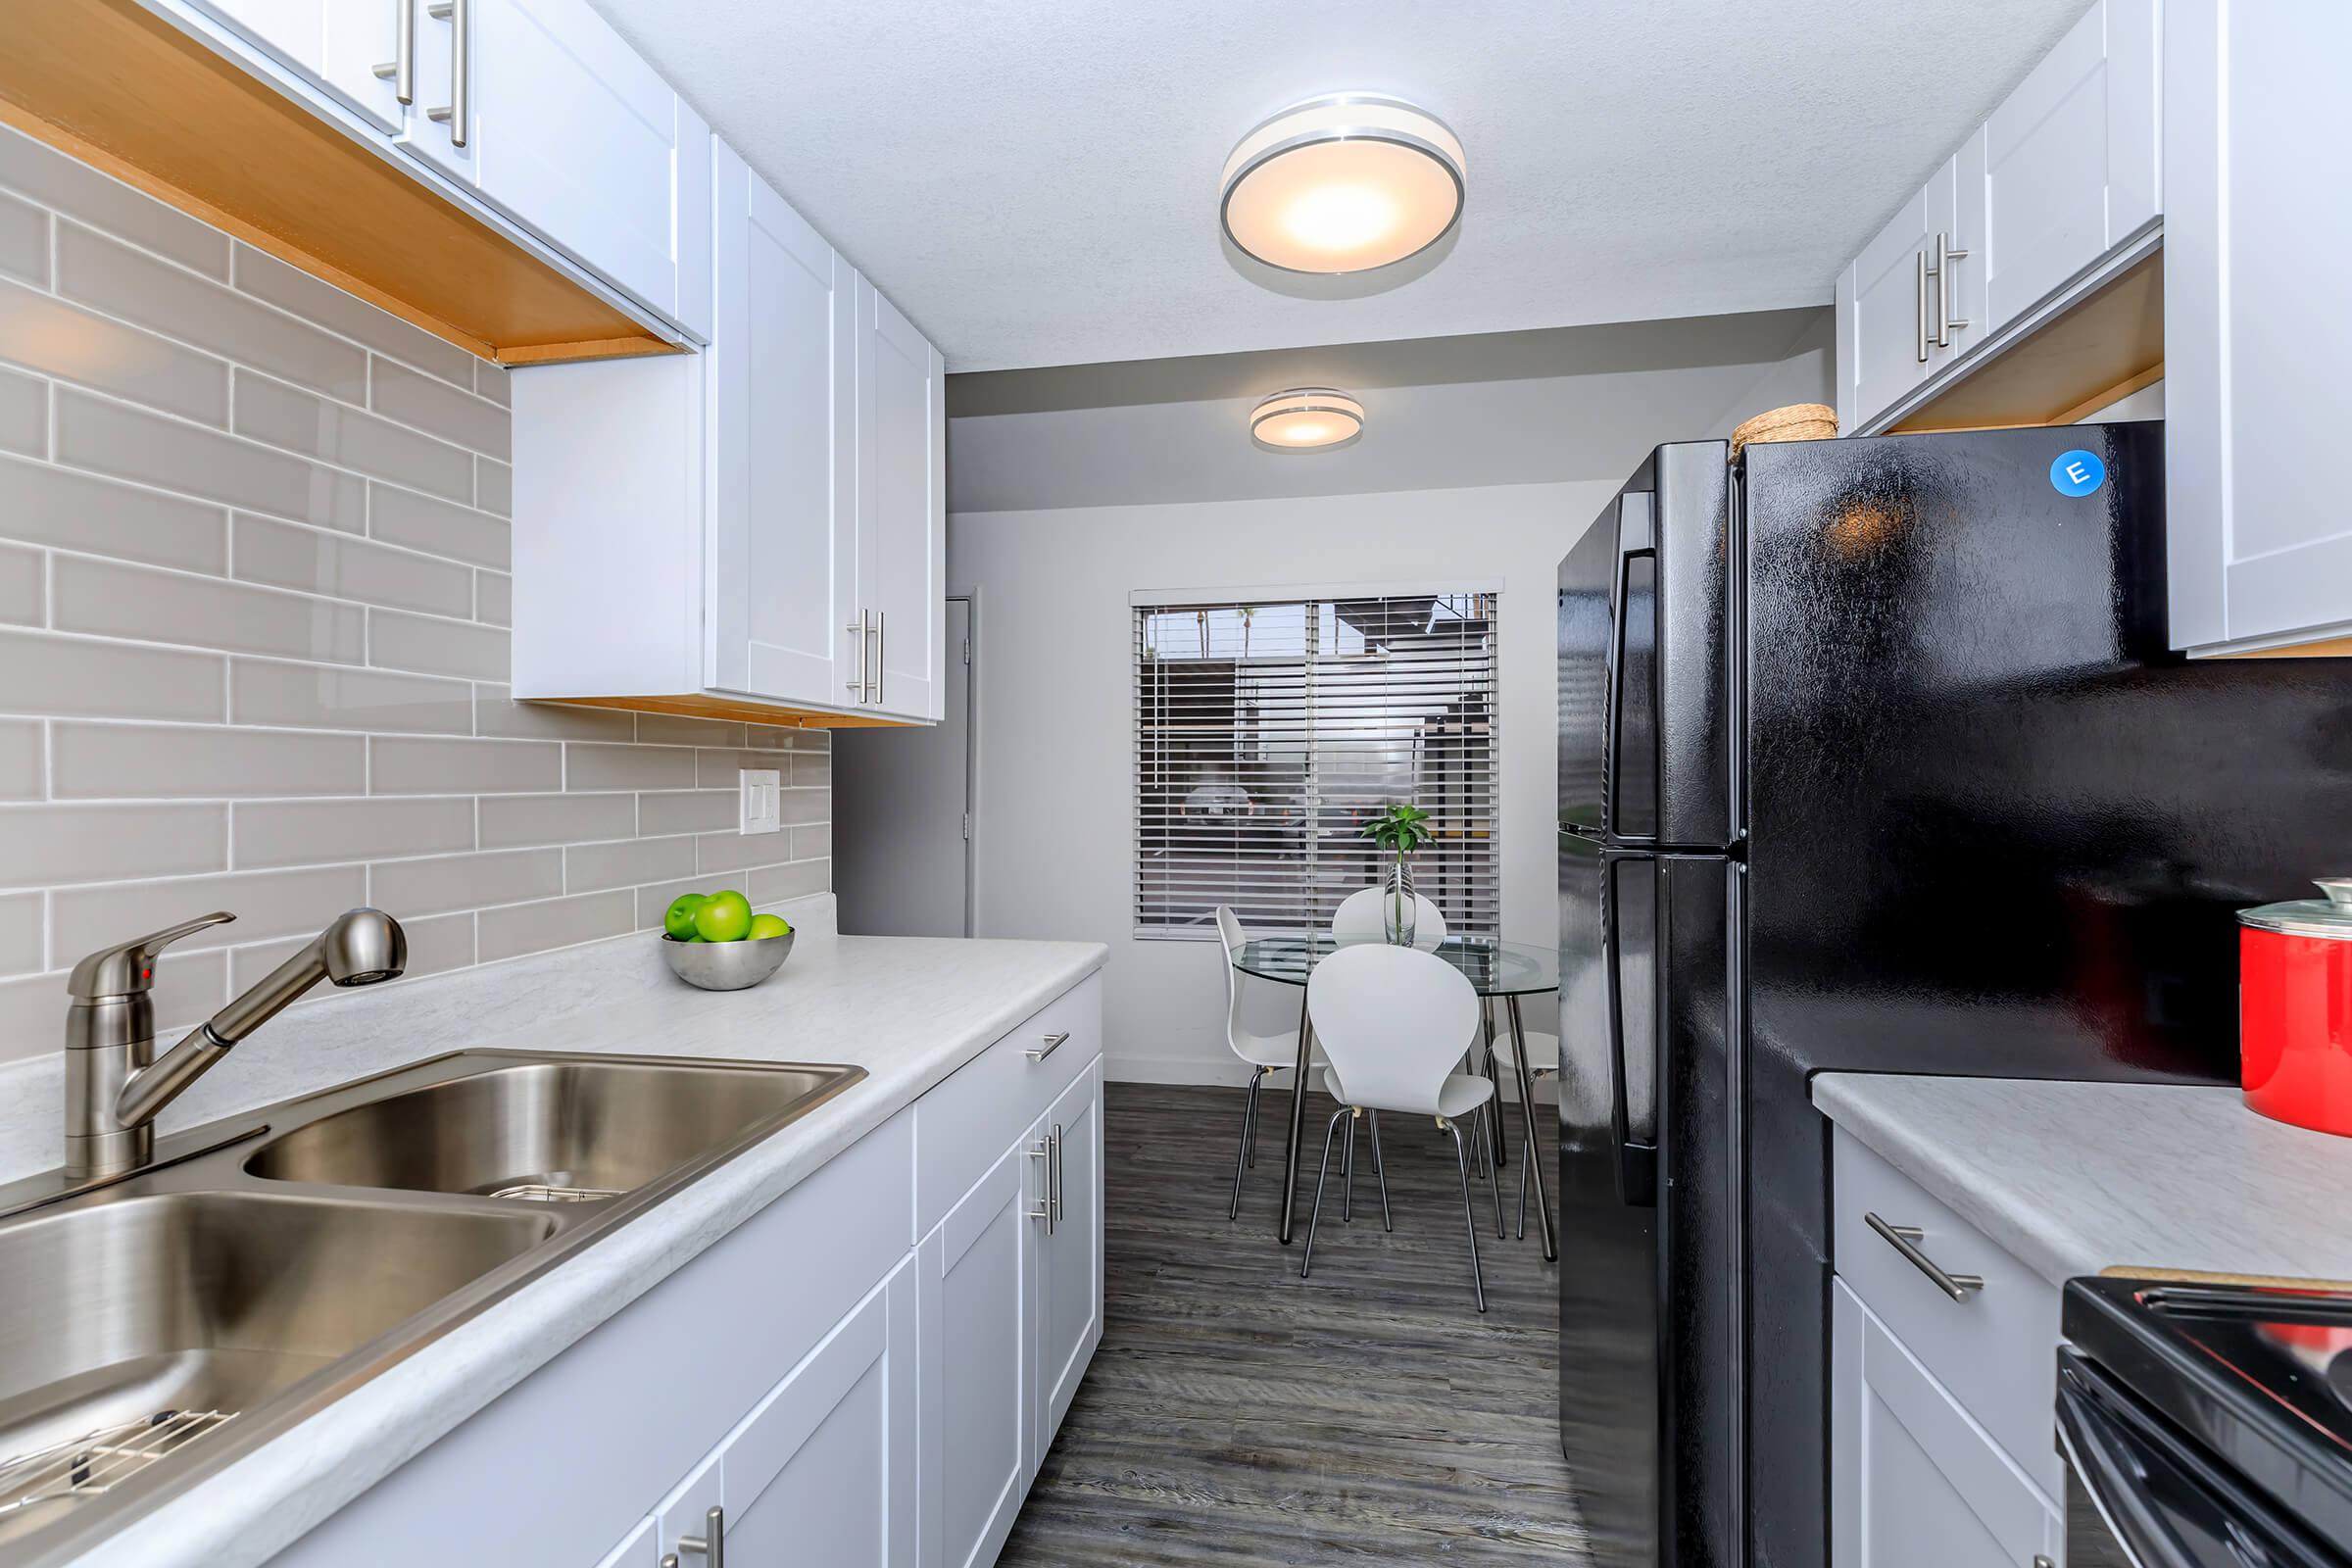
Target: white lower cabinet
x,y
820,1386
1914,1482
976,1411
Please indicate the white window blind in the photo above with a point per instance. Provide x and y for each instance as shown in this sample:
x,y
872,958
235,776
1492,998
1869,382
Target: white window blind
x,y
1268,733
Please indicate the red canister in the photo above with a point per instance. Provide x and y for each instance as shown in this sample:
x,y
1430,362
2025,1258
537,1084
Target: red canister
x,y
2295,1008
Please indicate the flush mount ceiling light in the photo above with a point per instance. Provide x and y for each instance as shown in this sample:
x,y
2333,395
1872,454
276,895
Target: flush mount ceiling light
x,y
1307,418
1341,184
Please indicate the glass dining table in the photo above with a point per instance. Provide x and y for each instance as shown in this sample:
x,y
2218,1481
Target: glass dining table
x,y
1501,971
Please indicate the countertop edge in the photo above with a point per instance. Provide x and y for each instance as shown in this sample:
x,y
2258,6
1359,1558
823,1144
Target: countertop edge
x,y
274,1496
1947,1179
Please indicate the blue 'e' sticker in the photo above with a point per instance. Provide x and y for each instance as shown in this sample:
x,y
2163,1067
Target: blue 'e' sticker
x,y
2078,472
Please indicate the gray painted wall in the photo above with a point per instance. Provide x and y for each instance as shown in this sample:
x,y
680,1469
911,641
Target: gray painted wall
x,y
1069,490
1518,407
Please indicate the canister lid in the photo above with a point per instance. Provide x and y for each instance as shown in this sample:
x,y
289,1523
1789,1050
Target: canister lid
x,y
2330,916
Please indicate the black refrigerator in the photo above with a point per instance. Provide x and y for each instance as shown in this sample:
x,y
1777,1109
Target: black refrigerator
x,y
1872,757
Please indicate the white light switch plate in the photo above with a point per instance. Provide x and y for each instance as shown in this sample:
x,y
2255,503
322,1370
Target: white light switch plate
x,y
762,800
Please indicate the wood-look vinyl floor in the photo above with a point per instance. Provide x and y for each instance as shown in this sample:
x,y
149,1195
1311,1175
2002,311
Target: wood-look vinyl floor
x,y
1239,1416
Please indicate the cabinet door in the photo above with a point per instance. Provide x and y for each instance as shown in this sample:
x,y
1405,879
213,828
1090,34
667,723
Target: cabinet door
x,y
1886,344
336,43
2260,540
1069,1287
823,1470
782,552
2071,158
977,1364
902,507
570,131
1915,1483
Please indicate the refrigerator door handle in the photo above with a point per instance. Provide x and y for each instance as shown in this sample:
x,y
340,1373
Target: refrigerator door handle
x,y
1613,733
1637,1163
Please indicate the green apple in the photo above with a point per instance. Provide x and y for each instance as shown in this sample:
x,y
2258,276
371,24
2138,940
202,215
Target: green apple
x,y
770,925
724,916
679,920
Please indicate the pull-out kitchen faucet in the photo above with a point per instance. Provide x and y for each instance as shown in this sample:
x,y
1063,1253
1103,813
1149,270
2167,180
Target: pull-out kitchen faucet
x,y
116,1084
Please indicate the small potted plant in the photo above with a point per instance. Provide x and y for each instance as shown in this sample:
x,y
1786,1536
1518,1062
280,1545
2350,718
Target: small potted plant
x,y
1400,831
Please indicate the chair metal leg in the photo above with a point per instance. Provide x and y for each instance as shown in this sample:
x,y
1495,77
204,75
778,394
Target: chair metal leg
x,y
1307,1258
1382,1171
1232,1210
1257,1076
1485,1017
1348,1177
1462,1161
1494,1181
1529,1156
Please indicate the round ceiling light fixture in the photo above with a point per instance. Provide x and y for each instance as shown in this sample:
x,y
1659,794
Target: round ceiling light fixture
x,y
1343,183
1307,418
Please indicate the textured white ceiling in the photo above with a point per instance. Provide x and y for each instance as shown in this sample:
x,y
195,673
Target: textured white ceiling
x,y
1034,182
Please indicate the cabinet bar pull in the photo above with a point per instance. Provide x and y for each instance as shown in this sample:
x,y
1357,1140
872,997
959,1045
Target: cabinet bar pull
x,y
1945,255
1043,1154
881,650
459,14
1054,1192
711,1543
856,631
1919,299
401,70
1052,1045
1905,1240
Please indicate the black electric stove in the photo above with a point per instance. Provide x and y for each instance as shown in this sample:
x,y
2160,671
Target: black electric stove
x,y
2206,1426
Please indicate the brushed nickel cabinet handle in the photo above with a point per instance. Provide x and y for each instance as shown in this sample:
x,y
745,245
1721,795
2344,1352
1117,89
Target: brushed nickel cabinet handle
x,y
1043,1154
1053,1044
712,1541
881,650
1919,300
401,68
459,116
1905,1239
856,631
1054,1164
1945,322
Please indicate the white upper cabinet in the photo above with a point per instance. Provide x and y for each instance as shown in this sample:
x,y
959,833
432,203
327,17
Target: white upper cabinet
x,y
2260,551
762,524
2063,177
2070,162
1889,306
542,109
902,512
784,447
336,43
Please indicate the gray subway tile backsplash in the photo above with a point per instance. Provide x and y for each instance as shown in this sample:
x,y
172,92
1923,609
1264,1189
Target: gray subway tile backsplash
x,y
254,593
108,276
49,336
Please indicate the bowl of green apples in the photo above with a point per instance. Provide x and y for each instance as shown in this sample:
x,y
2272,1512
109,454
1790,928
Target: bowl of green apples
x,y
714,940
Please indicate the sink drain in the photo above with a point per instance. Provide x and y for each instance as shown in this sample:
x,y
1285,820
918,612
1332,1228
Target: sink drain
x,y
96,1462
543,1193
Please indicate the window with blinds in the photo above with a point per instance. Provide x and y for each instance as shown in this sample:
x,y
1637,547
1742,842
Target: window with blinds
x,y
1269,732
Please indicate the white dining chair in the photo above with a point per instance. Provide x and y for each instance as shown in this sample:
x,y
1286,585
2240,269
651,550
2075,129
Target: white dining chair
x,y
1390,1020
1358,918
1262,1025
1542,1061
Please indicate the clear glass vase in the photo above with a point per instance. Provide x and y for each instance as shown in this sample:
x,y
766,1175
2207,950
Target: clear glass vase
x,y
1399,905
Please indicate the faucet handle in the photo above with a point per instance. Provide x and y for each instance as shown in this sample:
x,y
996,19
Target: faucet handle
x,y
129,968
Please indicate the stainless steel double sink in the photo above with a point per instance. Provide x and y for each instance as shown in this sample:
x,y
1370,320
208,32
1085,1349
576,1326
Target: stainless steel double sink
x,y
154,1328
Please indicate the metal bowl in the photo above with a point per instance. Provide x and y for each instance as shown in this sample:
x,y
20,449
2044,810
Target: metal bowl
x,y
726,965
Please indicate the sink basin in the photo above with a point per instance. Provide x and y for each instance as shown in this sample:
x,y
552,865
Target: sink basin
x,y
578,1128
132,1325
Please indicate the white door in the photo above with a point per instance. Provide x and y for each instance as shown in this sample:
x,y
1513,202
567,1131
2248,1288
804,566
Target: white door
x,y
1914,1482
1069,1289
976,1370
823,1471
567,128
1885,337
781,370
2070,159
903,811
902,507
2260,539
335,43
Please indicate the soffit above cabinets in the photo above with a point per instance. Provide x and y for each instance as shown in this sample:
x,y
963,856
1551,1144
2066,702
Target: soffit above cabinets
x,y
128,91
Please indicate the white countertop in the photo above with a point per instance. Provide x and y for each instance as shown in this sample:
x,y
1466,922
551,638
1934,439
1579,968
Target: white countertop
x,y
908,1012
2084,1178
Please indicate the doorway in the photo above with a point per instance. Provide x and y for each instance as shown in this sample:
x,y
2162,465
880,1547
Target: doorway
x,y
904,808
